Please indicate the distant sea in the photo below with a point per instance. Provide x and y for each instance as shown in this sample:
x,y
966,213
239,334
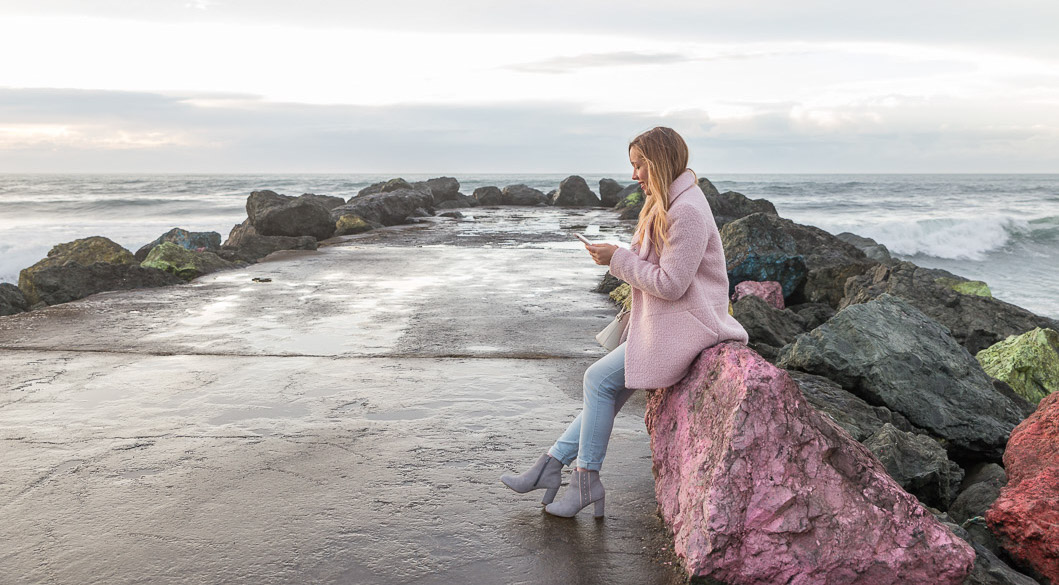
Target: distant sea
x,y
1003,229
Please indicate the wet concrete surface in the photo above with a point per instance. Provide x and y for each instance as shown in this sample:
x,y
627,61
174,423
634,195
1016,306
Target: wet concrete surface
x,y
346,422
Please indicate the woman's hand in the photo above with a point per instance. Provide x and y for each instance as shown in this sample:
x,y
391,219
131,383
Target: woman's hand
x,y
601,253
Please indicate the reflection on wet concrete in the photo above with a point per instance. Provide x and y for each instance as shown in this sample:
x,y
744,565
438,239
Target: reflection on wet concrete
x,y
345,423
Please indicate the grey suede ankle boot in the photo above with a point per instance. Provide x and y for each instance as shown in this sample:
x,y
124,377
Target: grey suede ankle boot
x,y
545,474
584,489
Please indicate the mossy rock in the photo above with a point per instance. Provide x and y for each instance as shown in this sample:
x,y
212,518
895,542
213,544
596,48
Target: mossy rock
x,y
85,252
1029,363
622,296
631,200
966,287
186,264
351,224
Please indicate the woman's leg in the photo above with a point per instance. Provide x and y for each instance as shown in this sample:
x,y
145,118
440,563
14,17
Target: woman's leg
x,y
605,393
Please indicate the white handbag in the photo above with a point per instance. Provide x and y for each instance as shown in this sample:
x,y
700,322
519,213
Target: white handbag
x,y
610,337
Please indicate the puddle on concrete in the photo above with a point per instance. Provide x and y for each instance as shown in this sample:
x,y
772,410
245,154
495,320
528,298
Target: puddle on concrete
x,y
285,411
405,414
138,473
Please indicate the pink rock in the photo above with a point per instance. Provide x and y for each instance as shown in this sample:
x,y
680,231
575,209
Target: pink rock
x,y
770,291
1025,518
759,488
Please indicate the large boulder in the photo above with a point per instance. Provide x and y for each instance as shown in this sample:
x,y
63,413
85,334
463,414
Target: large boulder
x,y
755,250
630,202
442,188
62,284
574,192
758,487
870,247
385,207
1029,363
183,263
857,417
988,568
976,322
708,189
329,202
918,463
522,195
12,300
188,240
82,252
488,195
730,206
351,223
1025,518
246,245
889,353
260,201
384,187
769,291
608,192
292,217
767,324
980,489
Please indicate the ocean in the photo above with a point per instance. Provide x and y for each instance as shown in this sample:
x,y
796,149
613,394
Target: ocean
x,y
1002,229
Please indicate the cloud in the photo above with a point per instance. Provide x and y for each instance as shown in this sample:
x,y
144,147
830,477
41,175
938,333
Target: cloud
x,y
615,59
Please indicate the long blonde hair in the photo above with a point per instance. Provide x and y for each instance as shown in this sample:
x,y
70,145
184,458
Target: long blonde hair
x,y
666,155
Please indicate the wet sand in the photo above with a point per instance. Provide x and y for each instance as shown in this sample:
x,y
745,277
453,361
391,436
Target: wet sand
x,y
346,422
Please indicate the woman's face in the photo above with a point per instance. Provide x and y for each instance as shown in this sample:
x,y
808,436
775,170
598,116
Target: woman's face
x,y
639,169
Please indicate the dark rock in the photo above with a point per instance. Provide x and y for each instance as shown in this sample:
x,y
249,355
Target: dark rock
x,y
815,314
977,531
452,214
630,202
487,195
755,250
522,195
708,189
765,323
985,472
442,188
889,353
183,263
246,245
84,252
259,201
918,463
990,570
386,207
609,190
350,224
295,217
870,247
188,240
609,283
857,417
383,187
730,206
329,202
12,300
975,500
420,212
574,192
69,282
461,201
976,322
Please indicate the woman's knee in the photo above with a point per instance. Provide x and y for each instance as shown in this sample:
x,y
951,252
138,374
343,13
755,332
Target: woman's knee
x,y
601,381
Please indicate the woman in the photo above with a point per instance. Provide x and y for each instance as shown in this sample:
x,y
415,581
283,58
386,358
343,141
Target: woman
x,y
676,269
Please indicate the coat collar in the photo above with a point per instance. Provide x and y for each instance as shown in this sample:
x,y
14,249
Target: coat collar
x,y
682,183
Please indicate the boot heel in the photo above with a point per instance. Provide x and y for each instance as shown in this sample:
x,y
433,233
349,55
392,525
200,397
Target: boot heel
x,y
549,495
598,508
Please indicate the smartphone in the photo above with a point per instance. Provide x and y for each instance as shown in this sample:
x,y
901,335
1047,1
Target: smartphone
x,y
583,238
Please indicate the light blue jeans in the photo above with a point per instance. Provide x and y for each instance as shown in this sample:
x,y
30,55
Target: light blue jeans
x,y
605,393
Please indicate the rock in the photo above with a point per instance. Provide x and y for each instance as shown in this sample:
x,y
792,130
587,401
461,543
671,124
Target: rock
x,y
461,201
188,240
815,314
980,489
758,487
384,187
385,207
609,283
1029,363
12,300
69,282
755,250
978,532
870,247
83,252
990,570
730,206
630,202
183,263
1025,518
976,322
487,195
574,192
708,189
246,245
771,292
965,287
329,202
292,217
259,201
765,323
857,417
622,296
351,223
608,192
918,463
420,212
522,195
442,188
890,354
452,214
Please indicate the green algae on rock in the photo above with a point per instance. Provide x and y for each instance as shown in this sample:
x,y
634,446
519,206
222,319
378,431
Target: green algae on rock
x,y
622,296
186,264
966,287
85,252
1029,363
351,224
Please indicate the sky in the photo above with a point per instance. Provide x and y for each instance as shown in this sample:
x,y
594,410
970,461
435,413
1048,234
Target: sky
x,y
465,86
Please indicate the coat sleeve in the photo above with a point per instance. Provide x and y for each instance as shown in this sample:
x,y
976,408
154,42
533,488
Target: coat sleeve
x,y
678,263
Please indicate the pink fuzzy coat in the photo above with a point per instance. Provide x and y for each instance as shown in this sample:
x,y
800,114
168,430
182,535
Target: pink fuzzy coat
x,y
679,301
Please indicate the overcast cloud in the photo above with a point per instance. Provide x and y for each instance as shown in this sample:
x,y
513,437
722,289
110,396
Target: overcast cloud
x,y
404,86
